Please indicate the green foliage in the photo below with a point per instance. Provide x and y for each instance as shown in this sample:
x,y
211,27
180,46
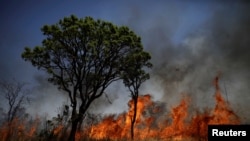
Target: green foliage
x,y
88,52
84,56
135,74
75,46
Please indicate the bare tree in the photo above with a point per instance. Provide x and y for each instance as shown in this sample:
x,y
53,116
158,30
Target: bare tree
x,y
16,96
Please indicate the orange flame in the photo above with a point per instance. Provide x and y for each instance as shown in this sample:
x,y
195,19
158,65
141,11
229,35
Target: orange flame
x,y
18,129
179,123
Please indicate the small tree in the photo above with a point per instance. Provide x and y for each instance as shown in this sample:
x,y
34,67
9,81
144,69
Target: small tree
x,y
83,57
133,76
16,96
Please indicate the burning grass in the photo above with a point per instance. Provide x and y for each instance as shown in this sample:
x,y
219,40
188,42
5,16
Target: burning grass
x,y
18,130
175,126
179,124
151,123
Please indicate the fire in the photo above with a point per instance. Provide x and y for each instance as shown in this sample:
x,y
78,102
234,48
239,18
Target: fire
x,y
152,122
222,113
179,124
18,129
119,127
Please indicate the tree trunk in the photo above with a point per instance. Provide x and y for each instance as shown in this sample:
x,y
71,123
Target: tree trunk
x,y
75,121
135,98
73,130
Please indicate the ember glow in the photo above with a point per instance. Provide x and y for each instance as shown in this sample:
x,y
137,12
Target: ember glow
x,y
179,124
18,129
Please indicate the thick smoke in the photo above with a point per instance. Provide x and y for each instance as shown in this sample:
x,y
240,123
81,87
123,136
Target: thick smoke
x,y
46,99
187,54
219,45
190,43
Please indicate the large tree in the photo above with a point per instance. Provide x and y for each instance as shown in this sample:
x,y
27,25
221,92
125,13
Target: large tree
x,y
83,57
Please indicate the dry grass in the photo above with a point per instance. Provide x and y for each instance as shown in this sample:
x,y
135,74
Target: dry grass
x,y
89,139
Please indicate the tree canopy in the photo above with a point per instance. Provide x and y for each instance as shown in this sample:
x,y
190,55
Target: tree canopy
x,y
84,56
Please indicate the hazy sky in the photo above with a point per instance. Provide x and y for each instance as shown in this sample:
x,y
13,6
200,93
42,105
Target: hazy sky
x,y
190,42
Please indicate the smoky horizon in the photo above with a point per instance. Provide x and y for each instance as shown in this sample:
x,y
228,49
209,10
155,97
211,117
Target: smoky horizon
x,y
190,44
